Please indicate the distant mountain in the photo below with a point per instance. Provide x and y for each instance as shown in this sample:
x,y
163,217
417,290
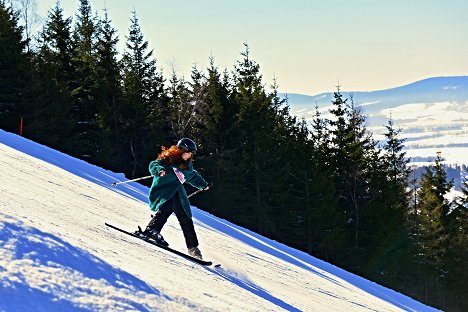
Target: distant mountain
x,y
430,90
433,115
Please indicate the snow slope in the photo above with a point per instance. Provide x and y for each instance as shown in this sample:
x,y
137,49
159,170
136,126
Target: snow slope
x,y
57,255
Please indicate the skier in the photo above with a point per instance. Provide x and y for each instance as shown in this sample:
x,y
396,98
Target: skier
x,y
172,168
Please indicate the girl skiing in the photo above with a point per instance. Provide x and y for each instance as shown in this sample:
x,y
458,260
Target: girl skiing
x,y
172,168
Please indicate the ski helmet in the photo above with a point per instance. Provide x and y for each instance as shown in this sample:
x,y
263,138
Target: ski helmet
x,y
187,145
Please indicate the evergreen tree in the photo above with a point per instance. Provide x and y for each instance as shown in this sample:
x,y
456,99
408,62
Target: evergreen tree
x,y
286,134
353,160
457,252
363,160
313,193
158,115
215,138
51,121
320,137
142,84
109,97
84,86
218,117
432,237
388,226
13,68
339,133
257,147
323,214
398,171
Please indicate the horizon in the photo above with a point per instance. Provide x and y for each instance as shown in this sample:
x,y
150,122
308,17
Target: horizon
x,y
307,47
377,90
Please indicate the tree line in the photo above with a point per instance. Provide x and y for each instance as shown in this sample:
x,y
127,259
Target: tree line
x,y
326,187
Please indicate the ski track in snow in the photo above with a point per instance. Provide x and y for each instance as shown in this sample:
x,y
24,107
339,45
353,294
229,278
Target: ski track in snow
x,y
57,255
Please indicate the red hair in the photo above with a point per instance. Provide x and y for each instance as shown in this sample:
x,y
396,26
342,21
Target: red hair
x,y
173,155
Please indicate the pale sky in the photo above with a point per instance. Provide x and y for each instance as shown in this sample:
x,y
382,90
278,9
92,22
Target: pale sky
x,y
307,45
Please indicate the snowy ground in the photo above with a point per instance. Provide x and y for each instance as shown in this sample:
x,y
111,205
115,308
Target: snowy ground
x,y
57,255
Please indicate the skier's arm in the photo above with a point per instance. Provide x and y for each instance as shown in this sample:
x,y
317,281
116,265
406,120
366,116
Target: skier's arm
x,y
156,168
196,180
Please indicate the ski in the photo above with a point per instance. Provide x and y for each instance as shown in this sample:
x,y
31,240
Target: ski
x,y
184,255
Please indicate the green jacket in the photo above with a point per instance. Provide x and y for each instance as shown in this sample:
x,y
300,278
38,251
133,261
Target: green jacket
x,y
163,188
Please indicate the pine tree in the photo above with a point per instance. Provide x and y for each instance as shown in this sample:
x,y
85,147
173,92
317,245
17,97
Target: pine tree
x,y
51,121
312,198
388,227
432,232
158,123
84,85
218,117
395,157
251,100
141,86
339,133
363,156
396,177
323,214
457,251
13,68
353,155
257,147
320,137
216,122
109,97
286,133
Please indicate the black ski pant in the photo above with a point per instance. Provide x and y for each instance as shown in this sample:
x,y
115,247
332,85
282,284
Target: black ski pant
x,y
174,205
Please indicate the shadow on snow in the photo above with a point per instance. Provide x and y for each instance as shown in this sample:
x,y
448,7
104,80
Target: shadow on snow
x,y
44,250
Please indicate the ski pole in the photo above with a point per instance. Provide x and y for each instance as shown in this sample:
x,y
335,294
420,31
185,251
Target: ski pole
x,y
196,192
137,179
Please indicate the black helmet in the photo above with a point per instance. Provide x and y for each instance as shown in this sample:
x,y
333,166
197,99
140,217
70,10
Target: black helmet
x,y
187,145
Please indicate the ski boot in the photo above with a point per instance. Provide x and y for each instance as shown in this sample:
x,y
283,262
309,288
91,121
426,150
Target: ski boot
x,y
155,236
195,252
